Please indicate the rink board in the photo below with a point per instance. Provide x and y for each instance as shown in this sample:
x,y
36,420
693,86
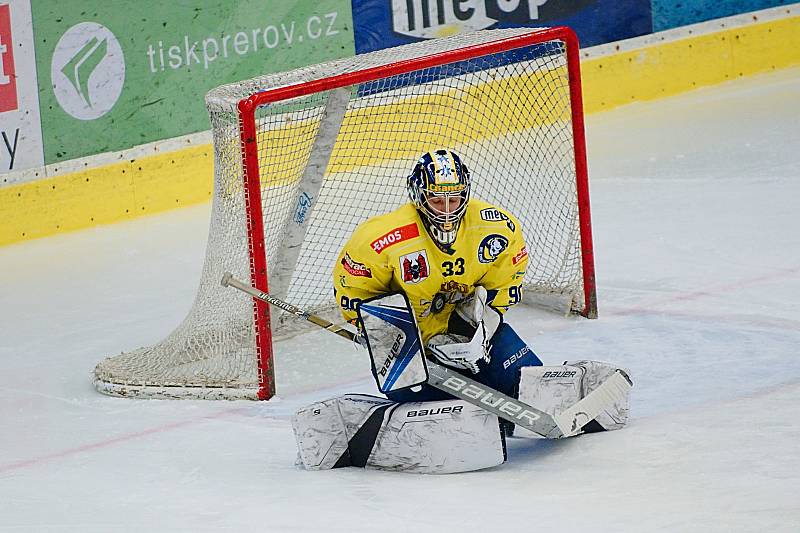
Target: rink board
x,y
81,194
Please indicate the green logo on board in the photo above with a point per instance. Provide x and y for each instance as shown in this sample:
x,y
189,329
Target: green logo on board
x,y
88,71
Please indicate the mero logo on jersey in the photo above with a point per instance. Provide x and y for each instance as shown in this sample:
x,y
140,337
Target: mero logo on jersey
x,y
490,214
354,268
396,235
88,71
414,266
8,76
491,247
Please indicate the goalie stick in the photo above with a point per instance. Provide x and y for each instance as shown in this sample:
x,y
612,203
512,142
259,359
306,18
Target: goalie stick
x,y
565,424
229,281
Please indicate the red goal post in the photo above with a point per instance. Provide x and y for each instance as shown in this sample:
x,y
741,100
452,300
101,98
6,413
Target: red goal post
x,y
302,157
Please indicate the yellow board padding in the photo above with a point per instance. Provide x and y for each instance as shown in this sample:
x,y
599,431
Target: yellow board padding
x,y
106,194
454,117
165,181
377,133
670,68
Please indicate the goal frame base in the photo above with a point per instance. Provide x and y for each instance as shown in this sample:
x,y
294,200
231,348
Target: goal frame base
x,y
175,392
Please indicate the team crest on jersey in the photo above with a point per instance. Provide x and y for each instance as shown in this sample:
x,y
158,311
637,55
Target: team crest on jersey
x,y
434,306
491,247
455,287
354,268
491,214
409,231
414,266
451,292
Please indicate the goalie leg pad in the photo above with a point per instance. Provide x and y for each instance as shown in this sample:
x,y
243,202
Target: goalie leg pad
x,y
323,430
421,437
553,389
438,438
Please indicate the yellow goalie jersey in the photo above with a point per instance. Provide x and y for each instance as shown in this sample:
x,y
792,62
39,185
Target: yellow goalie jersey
x,y
394,252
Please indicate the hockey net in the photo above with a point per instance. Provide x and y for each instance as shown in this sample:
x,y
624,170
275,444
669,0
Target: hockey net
x,y
302,157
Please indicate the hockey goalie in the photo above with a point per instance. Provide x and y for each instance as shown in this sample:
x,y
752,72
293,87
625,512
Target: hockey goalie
x,y
432,280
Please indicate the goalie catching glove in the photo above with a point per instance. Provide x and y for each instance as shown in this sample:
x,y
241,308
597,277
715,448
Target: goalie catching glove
x,y
459,351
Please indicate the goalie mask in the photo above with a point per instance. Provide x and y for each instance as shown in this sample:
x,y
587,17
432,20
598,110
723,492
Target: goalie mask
x,y
439,188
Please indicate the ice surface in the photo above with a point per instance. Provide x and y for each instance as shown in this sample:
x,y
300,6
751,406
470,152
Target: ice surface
x,y
697,241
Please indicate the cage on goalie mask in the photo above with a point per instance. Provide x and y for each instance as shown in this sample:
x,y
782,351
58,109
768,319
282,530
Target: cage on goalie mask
x,y
440,174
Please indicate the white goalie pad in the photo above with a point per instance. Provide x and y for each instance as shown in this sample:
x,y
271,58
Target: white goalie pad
x,y
557,389
421,437
323,430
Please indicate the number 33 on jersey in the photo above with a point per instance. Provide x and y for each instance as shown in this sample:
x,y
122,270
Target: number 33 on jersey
x,y
394,252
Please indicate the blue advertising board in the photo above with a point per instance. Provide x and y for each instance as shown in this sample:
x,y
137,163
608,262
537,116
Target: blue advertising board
x,y
381,24
669,14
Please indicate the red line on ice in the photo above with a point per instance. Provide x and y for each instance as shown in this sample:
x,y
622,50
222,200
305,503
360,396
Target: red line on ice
x,y
694,295
106,443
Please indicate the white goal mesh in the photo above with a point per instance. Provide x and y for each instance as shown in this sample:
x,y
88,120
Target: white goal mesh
x,y
336,153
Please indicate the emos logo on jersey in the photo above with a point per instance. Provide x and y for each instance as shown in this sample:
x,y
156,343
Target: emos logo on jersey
x,y
491,246
522,254
414,266
396,235
354,268
8,76
88,71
